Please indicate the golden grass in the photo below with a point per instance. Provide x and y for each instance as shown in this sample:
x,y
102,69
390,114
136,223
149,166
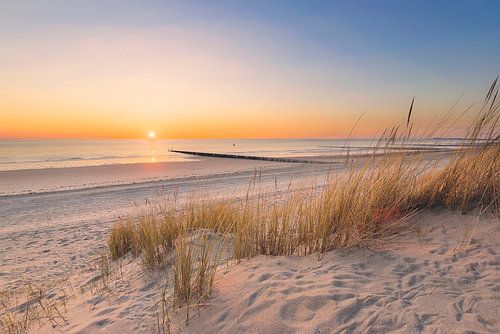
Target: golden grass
x,y
468,180
37,307
472,176
121,239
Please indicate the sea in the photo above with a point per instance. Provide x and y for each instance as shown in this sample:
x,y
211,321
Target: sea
x,y
23,154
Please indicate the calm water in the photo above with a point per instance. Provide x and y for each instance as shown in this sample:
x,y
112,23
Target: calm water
x,y
40,154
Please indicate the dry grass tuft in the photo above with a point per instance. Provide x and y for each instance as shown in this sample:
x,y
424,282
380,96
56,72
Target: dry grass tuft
x,y
38,307
472,176
121,239
470,179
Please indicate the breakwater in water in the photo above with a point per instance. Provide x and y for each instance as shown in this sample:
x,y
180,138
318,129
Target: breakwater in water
x,y
249,157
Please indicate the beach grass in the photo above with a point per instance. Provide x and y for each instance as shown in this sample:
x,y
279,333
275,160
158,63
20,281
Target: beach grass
x,y
34,306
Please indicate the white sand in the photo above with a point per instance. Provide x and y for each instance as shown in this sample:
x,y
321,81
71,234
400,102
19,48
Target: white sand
x,y
50,235
443,277
60,179
422,282
436,286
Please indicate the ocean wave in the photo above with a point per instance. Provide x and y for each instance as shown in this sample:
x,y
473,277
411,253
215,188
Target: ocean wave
x,y
110,157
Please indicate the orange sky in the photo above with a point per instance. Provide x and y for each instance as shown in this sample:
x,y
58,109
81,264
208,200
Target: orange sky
x,y
194,80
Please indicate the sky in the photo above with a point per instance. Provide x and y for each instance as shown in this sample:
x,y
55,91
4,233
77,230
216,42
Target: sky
x,y
239,69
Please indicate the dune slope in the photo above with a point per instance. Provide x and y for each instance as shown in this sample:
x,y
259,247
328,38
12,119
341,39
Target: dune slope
x,y
441,278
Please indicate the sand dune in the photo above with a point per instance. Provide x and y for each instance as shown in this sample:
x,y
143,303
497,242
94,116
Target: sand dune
x,y
442,277
438,285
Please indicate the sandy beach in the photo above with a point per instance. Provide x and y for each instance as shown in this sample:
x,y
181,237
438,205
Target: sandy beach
x,y
441,272
60,232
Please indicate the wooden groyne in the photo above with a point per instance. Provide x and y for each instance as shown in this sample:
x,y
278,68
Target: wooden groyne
x,y
249,157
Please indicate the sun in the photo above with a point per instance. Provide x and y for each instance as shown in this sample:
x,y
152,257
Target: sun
x,y
152,135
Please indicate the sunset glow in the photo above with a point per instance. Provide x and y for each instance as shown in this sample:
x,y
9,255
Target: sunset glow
x,y
229,70
222,166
